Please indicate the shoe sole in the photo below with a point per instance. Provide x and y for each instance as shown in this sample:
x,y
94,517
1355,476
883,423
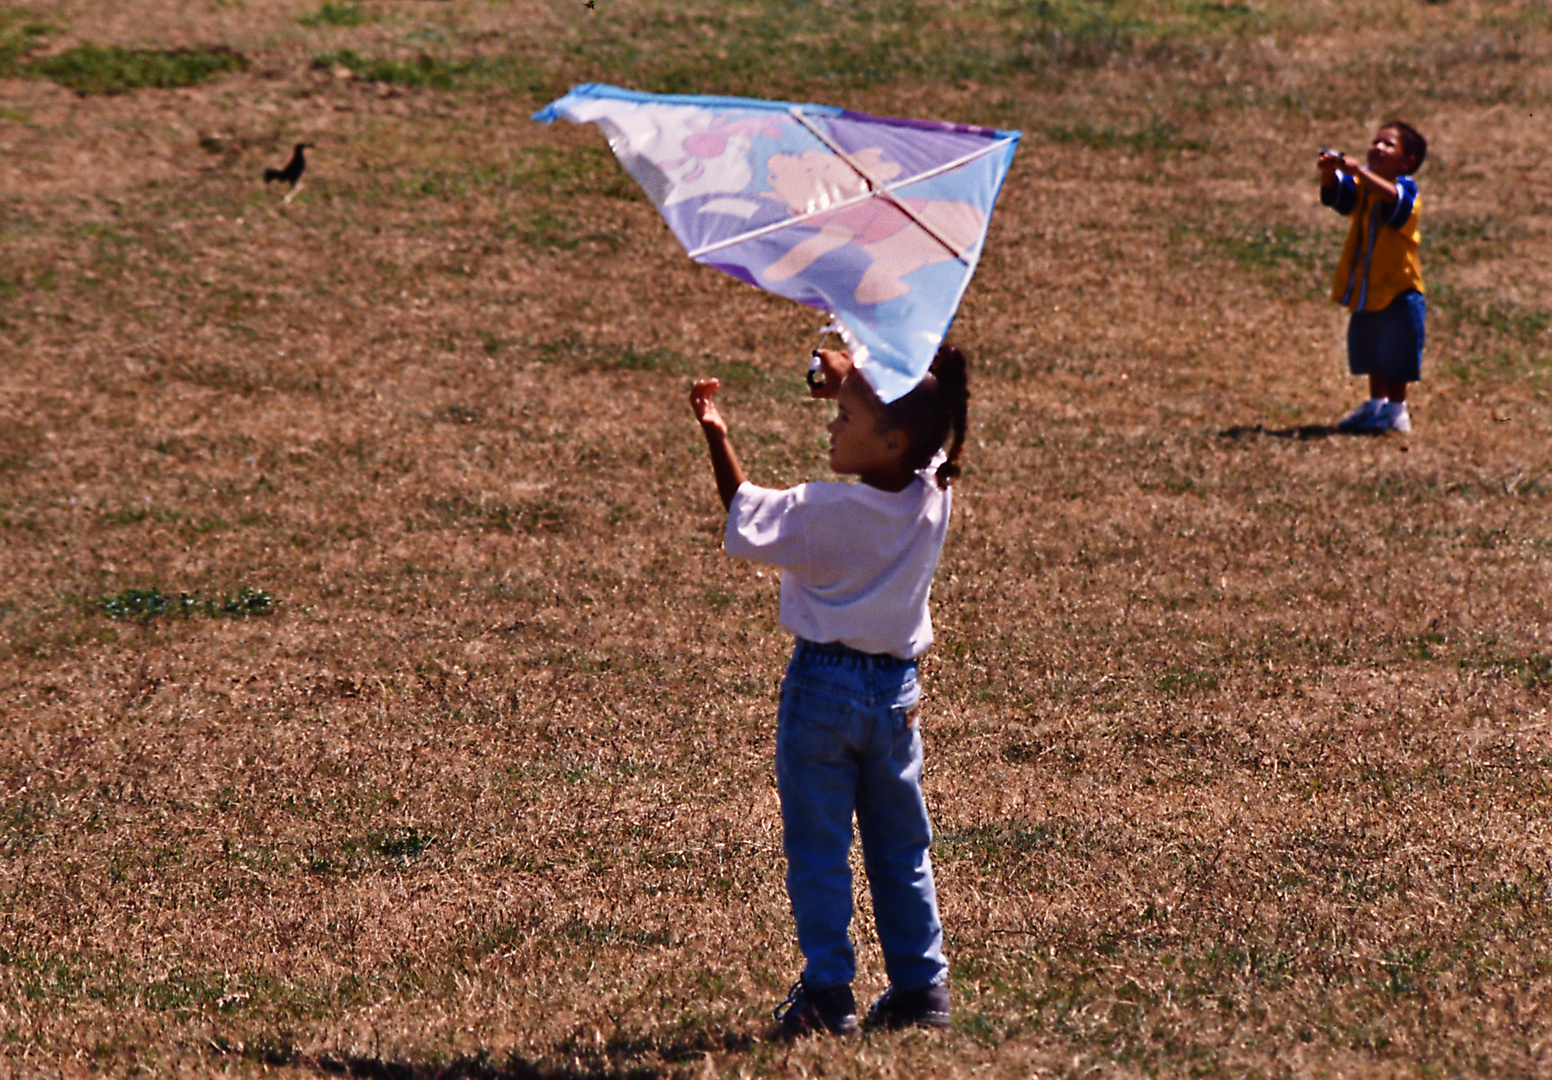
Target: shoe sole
x,y
844,1031
937,1020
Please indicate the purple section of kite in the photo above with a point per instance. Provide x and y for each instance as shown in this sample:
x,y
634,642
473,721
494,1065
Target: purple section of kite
x,y
877,221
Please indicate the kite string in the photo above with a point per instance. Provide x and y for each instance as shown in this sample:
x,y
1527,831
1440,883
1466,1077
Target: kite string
x,y
874,186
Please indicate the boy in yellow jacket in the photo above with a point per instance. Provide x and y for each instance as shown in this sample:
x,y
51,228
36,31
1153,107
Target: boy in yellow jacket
x,y
1379,278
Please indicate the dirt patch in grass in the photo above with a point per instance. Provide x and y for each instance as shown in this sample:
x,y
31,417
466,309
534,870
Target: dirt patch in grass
x,y
1238,742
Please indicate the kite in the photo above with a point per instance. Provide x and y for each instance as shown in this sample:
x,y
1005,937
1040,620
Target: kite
x,y
878,222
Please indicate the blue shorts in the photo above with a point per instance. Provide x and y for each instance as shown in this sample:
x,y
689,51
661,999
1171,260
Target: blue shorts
x,y
1389,342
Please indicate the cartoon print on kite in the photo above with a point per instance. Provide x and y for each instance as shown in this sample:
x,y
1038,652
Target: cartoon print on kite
x,y
679,152
712,141
894,244
712,155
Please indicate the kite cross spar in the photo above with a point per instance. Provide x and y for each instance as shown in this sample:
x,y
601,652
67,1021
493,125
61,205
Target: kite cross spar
x,y
878,222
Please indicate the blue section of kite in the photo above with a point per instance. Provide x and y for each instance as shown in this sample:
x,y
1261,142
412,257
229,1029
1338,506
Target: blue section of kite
x,y
877,221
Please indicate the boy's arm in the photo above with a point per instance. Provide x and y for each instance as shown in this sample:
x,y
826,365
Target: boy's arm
x,y
1337,190
1386,188
724,461
1389,190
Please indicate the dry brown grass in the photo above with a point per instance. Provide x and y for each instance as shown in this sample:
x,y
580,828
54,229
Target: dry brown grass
x,y
1238,741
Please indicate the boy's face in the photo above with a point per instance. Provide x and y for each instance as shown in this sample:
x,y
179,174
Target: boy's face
x,y
859,444
1386,157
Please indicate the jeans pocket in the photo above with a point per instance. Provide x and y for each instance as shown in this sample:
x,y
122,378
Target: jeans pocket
x,y
810,724
906,710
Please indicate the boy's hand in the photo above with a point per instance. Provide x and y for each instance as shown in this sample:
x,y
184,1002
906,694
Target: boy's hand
x,y
706,409
1331,160
836,365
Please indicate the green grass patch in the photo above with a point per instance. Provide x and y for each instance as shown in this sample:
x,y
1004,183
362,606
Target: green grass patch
x,y
436,72
143,605
401,844
361,854
545,229
1502,318
1182,681
774,49
134,515
1277,245
335,15
1451,240
97,69
20,35
556,172
1533,671
806,46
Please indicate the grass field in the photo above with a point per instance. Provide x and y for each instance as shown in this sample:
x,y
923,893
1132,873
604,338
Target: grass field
x,y
378,700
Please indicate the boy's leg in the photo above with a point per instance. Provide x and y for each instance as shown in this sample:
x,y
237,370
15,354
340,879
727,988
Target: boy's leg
x,y
892,819
1399,350
816,776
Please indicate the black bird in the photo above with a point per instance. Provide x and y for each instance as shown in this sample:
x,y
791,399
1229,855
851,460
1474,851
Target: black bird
x,y
292,173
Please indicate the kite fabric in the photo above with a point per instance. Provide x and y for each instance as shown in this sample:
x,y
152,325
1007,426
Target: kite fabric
x,y
876,221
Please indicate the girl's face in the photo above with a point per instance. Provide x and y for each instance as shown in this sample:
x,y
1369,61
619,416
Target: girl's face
x,y
859,444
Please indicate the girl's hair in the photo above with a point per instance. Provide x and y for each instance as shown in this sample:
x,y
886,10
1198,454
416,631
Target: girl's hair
x,y
1413,145
934,409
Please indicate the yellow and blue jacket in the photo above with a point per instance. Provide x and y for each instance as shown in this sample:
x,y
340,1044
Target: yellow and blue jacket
x,y
1379,261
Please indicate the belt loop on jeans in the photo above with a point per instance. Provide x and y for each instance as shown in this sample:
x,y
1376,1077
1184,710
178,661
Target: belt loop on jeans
x,y
836,651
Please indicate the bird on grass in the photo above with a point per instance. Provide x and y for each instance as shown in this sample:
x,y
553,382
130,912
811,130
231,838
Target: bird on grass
x,y
292,173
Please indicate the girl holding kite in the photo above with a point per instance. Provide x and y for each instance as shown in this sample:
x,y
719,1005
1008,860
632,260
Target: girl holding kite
x,y
857,563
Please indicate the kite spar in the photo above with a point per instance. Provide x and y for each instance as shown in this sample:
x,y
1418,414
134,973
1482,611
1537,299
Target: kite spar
x,y
877,221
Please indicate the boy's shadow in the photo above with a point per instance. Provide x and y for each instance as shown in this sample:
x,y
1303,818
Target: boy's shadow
x,y
640,1058
1303,432
469,1068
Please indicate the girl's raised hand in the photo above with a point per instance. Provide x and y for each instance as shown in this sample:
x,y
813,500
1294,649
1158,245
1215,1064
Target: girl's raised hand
x,y
836,365
705,408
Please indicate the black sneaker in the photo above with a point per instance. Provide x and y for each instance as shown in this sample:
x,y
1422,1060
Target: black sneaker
x,y
808,1012
925,1007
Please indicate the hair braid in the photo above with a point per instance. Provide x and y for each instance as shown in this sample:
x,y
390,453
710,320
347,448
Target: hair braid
x,y
935,409
953,377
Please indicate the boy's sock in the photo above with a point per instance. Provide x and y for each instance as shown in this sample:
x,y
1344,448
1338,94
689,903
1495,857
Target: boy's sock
x,y
1393,417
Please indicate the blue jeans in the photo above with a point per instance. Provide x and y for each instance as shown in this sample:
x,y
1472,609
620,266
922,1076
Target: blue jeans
x,y
847,740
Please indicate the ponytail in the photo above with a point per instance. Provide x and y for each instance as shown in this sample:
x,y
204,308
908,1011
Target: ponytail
x,y
953,375
933,412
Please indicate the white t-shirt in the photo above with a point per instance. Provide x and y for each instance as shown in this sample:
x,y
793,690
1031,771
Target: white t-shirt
x,y
856,562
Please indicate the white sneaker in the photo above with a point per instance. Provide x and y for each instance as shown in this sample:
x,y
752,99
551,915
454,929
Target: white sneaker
x,y
1361,417
1391,417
